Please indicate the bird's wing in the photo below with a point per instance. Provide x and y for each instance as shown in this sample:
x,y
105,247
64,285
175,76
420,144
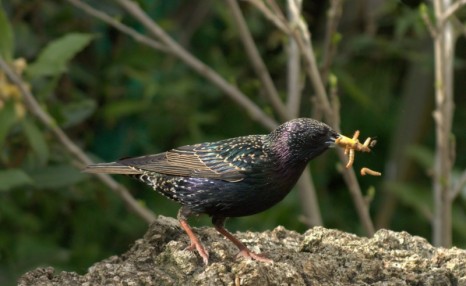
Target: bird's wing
x,y
226,160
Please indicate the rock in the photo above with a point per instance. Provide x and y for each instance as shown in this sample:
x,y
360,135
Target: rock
x,y
318,257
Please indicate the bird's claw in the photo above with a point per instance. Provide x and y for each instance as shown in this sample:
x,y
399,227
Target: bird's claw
x,y
246,253
201,250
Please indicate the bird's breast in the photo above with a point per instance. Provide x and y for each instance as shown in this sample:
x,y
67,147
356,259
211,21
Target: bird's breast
x,y
259,191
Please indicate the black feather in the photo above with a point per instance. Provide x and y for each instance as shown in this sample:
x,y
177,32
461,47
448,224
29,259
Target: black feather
x,y
233,177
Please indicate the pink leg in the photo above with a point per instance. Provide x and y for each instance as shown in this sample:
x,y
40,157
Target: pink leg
x,y
243,250
195,243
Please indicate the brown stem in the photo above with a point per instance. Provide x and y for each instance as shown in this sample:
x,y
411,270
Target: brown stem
x,y
443,115
294,80
119,26
234,93
330,47
358,199
451,10
257,62
301,34
308,198
458,186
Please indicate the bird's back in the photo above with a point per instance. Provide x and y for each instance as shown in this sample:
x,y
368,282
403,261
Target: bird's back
x,y
232,177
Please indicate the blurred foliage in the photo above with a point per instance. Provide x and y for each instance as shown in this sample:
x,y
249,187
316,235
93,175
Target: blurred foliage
x,y
116,98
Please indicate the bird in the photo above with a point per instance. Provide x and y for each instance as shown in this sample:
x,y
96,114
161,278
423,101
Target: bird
x,y
233,177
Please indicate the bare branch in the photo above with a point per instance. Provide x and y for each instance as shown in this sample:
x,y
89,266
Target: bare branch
x,y
257,62
234,93
334,100
301,34
295,83
425,17
330,44
313,73
305,184
308,198
138,37
460,28
278,12
444,50
282,25
456,190
451,10
69,145
348,174
358,199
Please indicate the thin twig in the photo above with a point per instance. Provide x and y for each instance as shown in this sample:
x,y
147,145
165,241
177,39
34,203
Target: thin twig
x,y
234,93
334,100
257,62
305,185
294,81
349,175
301,34
426,18
330,46
270,15
460,28
298,30
313,73
358,199
308,199
48,121
451,10
138,37
459,185
278,12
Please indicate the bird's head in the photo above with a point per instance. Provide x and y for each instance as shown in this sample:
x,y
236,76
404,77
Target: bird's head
x,y
302,139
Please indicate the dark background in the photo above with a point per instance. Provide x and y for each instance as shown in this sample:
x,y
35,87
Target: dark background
x,y
118,98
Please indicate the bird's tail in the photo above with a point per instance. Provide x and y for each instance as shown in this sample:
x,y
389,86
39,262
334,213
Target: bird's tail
x,y
110,168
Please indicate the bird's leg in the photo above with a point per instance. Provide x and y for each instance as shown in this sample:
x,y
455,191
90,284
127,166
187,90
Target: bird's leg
x,y
218,223
183,213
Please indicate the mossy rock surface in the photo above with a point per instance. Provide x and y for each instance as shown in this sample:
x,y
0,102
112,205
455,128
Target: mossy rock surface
x,y
320,256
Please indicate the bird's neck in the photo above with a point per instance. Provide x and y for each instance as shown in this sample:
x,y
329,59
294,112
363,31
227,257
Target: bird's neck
x,y
283,155
288,166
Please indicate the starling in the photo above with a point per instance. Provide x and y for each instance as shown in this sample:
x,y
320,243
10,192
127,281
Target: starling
x,y
229,178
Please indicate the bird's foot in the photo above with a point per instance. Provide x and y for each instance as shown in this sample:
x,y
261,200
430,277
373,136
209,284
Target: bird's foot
x,y
252,255
195,243
200,249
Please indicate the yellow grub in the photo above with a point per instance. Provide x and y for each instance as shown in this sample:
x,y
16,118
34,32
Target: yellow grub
x,y
351,145
367,171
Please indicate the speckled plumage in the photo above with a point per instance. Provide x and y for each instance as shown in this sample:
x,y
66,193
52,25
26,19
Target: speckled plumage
x,y
233,177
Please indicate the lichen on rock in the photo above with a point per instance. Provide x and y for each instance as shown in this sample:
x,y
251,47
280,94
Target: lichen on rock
x,y
320,256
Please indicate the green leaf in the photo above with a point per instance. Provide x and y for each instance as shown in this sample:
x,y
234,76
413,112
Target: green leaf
x,y
76,112
36,140
6,36
7,119
55,177
422,155
124,108
415,196
54,57
12,178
